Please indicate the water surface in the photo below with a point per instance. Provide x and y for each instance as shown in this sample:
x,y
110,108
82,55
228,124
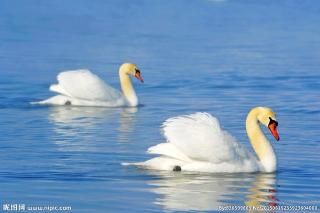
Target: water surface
x,y
222,57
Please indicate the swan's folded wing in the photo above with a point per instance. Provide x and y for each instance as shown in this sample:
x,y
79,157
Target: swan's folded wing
x,y
200,137
85,85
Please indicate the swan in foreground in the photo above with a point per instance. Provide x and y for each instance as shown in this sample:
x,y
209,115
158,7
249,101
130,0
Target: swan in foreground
x,y
196,143
83,88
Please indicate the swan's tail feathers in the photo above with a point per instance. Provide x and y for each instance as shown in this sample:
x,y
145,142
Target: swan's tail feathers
x,y
158,163
168,150
56,100
58,89
133,164
170,156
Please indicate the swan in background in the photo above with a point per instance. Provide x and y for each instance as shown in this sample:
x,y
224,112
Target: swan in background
x,y
197,143
83,88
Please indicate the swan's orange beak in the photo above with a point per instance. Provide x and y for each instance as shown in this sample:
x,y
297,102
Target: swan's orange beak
x,y
273,129
138,76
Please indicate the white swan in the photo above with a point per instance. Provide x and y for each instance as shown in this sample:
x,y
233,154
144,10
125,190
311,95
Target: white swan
x,y
83,88
196,143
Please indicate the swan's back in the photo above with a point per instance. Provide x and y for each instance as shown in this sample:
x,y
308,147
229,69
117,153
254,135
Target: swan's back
x,y
82,84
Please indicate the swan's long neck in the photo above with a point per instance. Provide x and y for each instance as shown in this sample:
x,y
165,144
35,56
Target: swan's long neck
x,y
127,88
260,143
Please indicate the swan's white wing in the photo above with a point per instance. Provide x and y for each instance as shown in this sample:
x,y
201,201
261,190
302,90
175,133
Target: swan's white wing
x,y
82,84
199,137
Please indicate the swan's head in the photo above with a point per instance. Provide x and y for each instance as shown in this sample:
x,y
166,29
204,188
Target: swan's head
x,y
268,118
131,69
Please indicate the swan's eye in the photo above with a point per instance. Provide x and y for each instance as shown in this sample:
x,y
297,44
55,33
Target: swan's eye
x,y
273,121
138,75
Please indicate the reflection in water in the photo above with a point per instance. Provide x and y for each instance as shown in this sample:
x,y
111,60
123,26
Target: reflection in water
x,y
82,125
67,119
127,123
190,192
263,191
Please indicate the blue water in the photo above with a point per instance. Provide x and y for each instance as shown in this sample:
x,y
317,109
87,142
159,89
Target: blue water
x,y
223,57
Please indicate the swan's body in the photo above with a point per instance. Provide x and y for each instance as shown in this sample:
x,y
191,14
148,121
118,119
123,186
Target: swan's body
x,y
83,88
196,143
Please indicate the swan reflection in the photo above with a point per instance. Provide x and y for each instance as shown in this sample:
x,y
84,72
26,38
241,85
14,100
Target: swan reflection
x,y
83,125
190,192
263,191
127,123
